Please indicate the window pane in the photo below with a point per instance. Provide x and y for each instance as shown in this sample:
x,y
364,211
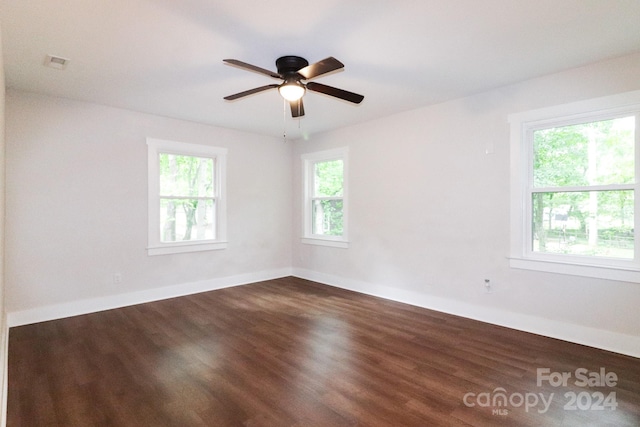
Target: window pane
x,y
596,153
328,178
186,219
185,176
593,223
327,217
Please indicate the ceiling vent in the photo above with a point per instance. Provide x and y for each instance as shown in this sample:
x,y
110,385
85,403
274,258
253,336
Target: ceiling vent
x,y
56,62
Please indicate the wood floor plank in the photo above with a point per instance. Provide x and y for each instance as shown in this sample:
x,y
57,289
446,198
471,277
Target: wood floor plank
x,y
291,352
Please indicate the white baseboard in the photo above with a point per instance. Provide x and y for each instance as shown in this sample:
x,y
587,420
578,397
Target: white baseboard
x,y
598,338
75,308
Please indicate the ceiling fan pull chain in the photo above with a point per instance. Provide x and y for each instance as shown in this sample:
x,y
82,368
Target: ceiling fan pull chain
x,y
284,120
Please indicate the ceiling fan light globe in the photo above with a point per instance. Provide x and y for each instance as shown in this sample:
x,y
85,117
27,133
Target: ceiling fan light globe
x,y
291,91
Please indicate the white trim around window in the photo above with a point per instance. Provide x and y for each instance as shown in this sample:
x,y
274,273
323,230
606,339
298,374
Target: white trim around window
x,y
309,161
155,245
522,126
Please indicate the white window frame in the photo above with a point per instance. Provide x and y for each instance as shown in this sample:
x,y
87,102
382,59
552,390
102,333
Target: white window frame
x,y
155,245
522,126
308,162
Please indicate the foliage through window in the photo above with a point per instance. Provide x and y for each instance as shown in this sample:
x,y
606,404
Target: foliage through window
x,y
583,189
325,196
187,200
186,204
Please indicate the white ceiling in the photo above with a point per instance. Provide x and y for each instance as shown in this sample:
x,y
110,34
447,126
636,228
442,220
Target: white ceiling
x,y
165,56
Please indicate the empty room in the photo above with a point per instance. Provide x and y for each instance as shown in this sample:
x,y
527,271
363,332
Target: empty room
x,y
361,213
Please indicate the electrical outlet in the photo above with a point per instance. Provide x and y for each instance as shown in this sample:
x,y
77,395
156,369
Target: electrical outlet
x,y
117,278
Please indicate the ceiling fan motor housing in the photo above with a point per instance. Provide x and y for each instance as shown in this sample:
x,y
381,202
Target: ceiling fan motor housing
x,y
290,64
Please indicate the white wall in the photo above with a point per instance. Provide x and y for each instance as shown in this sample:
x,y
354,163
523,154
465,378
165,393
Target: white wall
x,y
77,209
429,215
4,336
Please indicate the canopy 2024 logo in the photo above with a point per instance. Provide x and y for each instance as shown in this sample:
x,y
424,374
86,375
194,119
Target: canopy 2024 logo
x,y
597,400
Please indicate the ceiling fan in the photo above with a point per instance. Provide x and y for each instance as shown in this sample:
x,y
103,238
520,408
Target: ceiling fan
x,y
293,70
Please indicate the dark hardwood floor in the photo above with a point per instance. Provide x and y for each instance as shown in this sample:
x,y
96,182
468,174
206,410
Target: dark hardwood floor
x,y
290,352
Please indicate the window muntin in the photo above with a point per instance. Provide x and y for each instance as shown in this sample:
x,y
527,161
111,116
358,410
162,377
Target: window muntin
x,y
582,192
325,207
187,209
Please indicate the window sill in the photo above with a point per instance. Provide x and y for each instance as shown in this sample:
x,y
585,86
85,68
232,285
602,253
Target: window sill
x,y
179,248
326,242
622,274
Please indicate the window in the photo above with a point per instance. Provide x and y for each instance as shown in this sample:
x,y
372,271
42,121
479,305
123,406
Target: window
x,y
575,188
325,198
186,197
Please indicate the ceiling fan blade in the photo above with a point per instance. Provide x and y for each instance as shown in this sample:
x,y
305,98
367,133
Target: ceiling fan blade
x,y
327,65
253,68
250,92
335,92
297,108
